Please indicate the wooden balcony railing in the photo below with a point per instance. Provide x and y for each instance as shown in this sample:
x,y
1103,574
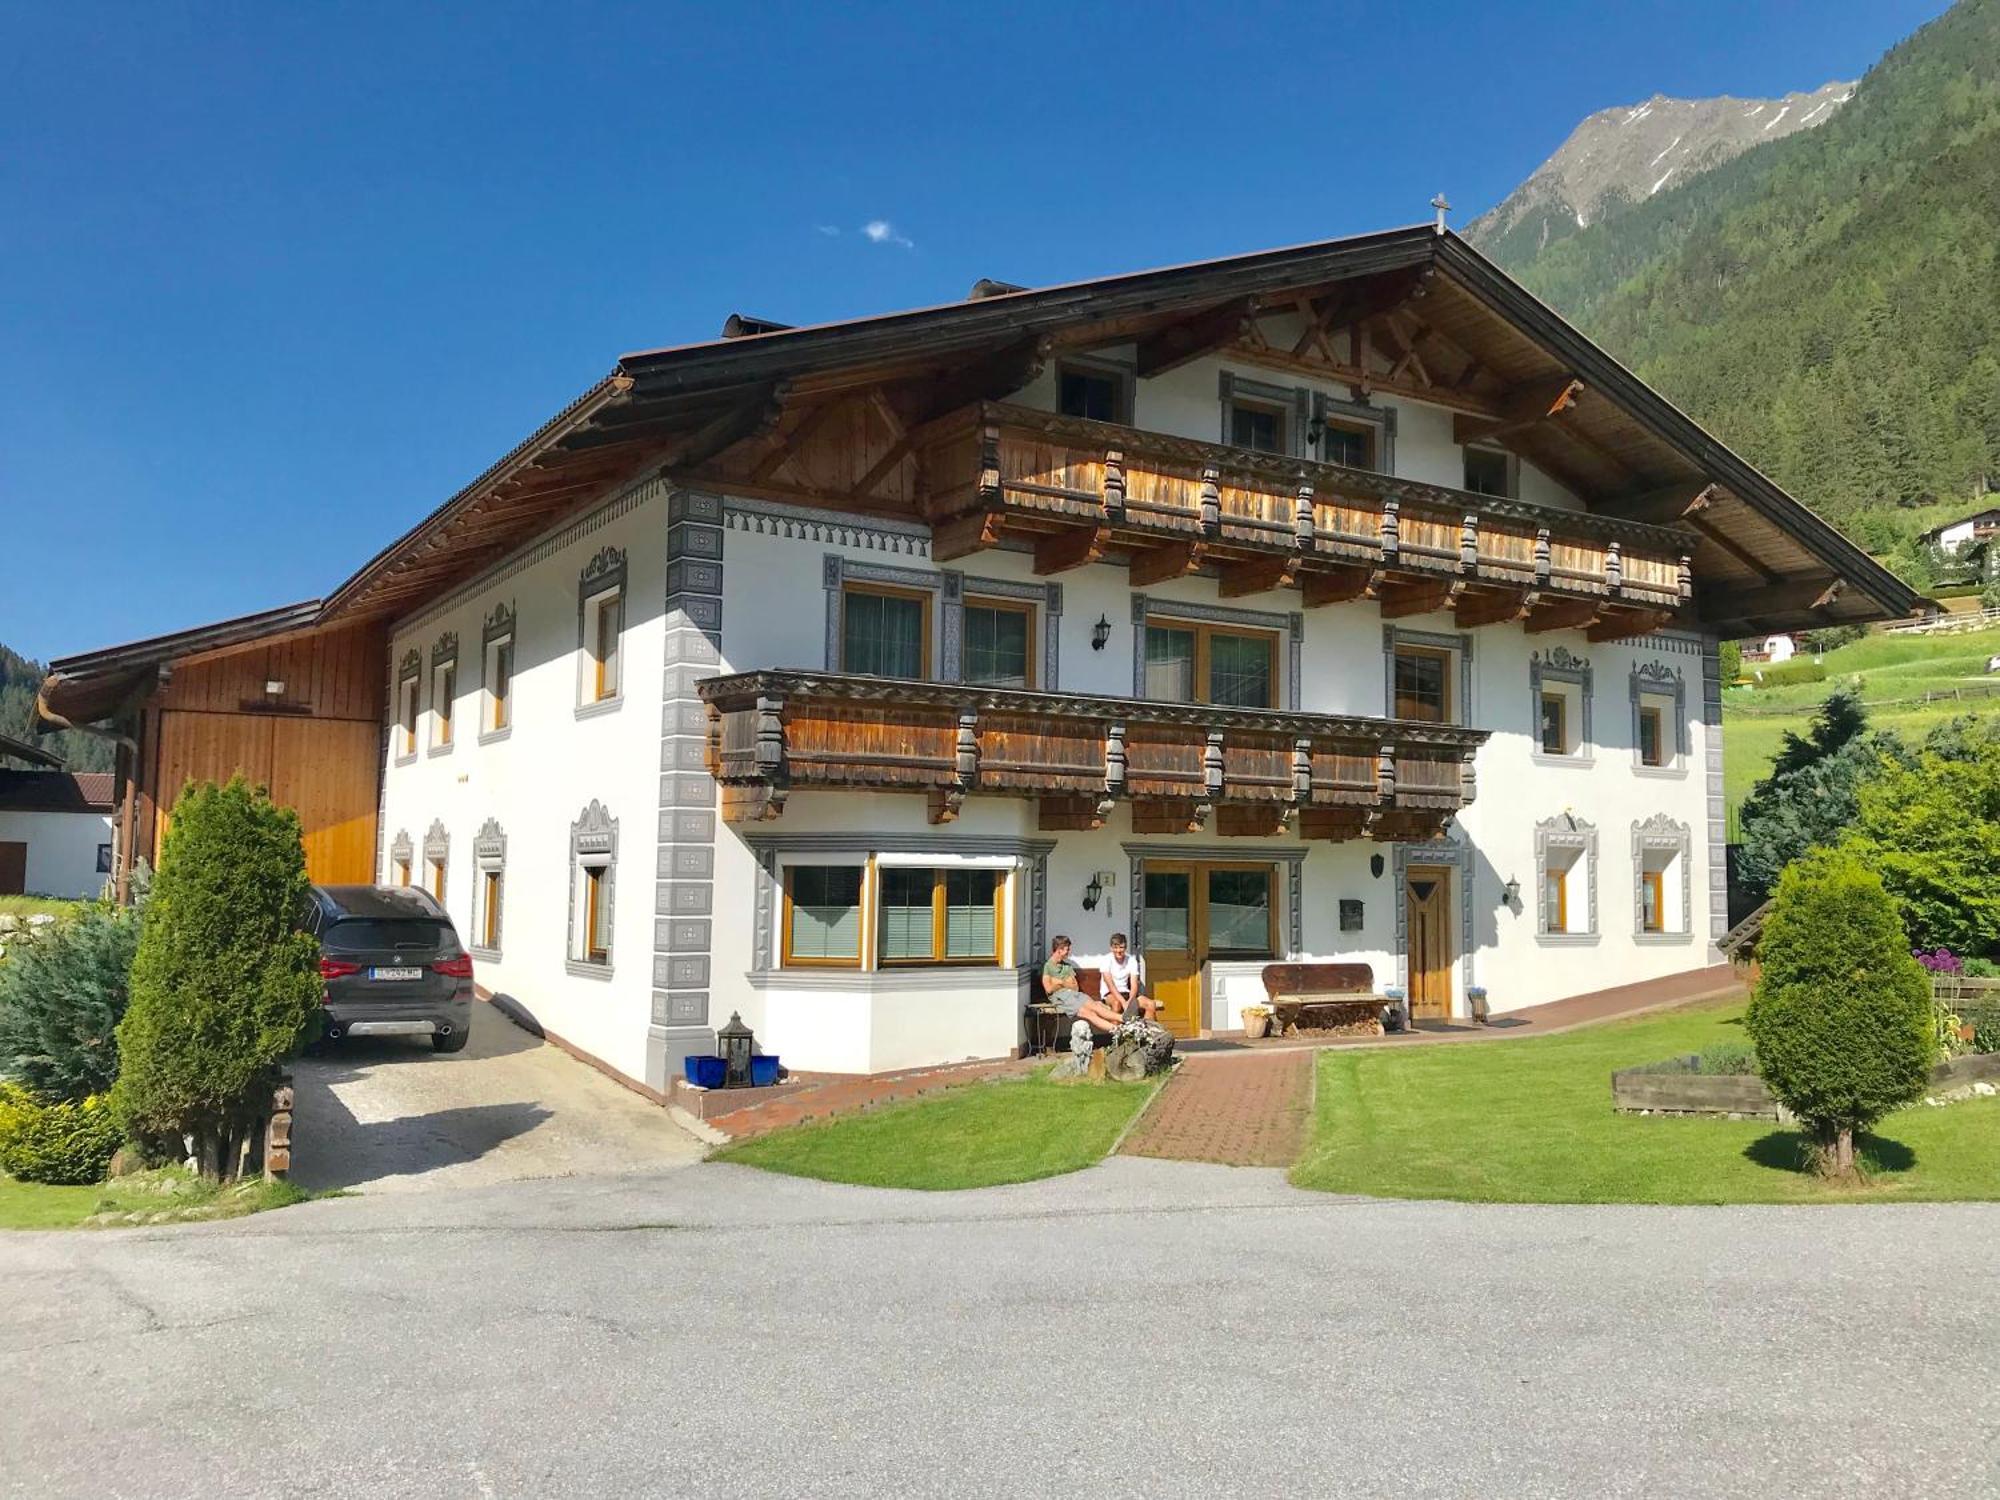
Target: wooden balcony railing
x,y
1254,771
1081,489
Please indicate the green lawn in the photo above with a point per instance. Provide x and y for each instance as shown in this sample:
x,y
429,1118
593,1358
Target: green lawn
x,y
33,906
1005,1130
1531,1121
162,1197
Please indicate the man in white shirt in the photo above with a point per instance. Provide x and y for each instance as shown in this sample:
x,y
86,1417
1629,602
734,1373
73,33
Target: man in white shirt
x,y
1124,980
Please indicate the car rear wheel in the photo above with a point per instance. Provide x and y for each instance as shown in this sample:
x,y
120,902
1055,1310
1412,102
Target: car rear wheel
x,y
453,1043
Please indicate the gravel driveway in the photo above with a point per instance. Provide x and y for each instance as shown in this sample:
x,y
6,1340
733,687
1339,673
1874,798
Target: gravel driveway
x,y
1145,1327
386,1114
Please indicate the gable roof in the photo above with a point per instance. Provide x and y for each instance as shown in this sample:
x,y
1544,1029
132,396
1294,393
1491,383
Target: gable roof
x,y
56,791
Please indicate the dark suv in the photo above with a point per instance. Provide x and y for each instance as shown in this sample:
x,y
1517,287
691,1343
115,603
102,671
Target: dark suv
x,y
392,963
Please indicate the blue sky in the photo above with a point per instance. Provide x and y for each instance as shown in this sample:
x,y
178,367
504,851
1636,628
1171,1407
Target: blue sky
x,y
279,279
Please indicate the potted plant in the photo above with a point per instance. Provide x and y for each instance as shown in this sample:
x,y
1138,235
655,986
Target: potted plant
x,y
1475,996
1398,1018
1256,1021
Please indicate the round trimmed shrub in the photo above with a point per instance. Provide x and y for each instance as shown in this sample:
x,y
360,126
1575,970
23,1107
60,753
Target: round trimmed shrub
x,y
68,1143
225,986
1842,1014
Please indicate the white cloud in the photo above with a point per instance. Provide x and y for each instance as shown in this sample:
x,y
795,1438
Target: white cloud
x,y
882,232
829,230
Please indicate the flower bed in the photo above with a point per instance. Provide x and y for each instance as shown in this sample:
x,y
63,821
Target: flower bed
x,y
1679,1087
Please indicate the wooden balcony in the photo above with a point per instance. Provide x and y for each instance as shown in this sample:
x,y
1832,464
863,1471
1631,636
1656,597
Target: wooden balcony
x,y
1081,491
1253,772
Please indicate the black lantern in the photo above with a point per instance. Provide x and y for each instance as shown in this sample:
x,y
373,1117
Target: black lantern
x,y
1100,633
1511,893
1093,893
737,1042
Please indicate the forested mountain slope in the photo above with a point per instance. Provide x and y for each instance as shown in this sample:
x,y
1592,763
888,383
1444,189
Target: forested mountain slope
x,y
19,677
1829,304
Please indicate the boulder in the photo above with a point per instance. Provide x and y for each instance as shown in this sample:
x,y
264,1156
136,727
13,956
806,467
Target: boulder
x,y
1139,1049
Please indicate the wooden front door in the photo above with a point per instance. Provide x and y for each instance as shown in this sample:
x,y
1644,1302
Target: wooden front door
x,y
1170,941
13,869
1427,898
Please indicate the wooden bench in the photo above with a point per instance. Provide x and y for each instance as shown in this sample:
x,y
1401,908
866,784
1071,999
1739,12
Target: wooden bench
x,y
1336,998
1049,1026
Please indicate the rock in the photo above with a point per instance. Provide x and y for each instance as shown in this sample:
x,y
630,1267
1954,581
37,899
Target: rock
x,y
1984,1089
124,1162
41,919
9,922
1139,1049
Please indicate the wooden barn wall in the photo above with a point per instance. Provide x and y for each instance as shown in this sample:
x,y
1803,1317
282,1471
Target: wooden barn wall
x,y
319,753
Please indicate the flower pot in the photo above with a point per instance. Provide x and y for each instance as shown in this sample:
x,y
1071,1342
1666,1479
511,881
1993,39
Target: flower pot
x,y
763,1072
706,1072
1256,1022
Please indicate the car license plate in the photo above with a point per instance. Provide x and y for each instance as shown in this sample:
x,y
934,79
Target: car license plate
x,y
395,973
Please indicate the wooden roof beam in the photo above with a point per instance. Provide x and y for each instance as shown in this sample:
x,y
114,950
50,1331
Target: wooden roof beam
x,y
1793,596
1059,551
742,422
1662,506
1204,333
1742,554
1523,408
998,374
1156,565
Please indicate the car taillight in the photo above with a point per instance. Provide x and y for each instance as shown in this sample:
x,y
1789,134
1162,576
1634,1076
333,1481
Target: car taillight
x,y
336,968
454,968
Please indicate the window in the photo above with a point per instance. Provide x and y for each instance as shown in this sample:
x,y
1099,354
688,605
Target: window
x,y
406,716
1240,913
1652,735
938,916
1348,443
402,869
1423,685
885,632
489,908
437,879
1556,899
1661,891
1566,875
499,683
1652,901
593,844
1259,428
596,915
1555,725
444,695
823,915
1211,664
999,648
1096,394
605,617
104,859
1489,471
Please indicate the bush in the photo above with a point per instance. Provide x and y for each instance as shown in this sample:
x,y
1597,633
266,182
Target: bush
x,y
1812,792
1729,660
65,1143
1788,673
224,987
1728,1059
1842,1015
62,994
1932,832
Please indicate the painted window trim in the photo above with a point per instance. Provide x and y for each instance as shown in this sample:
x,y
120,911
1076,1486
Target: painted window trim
x,y
1125,376
605,574
1566,831
409,674
1662,833
939,918
593,843
1562,666
1292,858
863,925
1169,614
437,854
1513,461
444,712
1001,605
402,856
499,628
1656,679
950,589
489,857
1458,641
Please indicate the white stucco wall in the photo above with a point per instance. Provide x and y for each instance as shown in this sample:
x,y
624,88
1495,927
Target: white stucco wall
x,y
62,850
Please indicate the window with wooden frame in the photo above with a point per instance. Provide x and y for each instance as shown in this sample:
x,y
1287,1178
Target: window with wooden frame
x,y
1653,735
403,871
499,683
999,643
822,917
1555,899
604,632
1258,426
1195,662
596,926
1554,724
1241,911
885,631
444,698
491,883
437,879
1423,684
1348,443
408,694
1566,875
1653,900
1489,471
593,854
1092,392
937,916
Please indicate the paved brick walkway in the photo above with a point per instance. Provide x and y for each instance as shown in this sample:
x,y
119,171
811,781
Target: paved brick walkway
x,y
1242,1111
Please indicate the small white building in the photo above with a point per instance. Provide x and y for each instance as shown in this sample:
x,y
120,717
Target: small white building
x,y
55,833
1966,531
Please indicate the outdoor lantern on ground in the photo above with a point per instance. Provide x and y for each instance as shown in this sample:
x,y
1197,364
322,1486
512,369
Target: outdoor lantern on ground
x,y
739,1044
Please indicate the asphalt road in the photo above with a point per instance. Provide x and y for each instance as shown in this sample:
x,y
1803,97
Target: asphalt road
x,y
1141,1328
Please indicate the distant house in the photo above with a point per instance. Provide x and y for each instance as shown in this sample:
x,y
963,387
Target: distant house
x,y
1967,531
1770,648
55,832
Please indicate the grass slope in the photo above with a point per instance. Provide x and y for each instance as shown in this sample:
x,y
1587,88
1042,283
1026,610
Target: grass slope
x,y
1005,1130
34,906
1894,672
1531,1122
168,1196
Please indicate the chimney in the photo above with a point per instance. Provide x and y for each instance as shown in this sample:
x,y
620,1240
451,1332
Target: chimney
x,y
1443,207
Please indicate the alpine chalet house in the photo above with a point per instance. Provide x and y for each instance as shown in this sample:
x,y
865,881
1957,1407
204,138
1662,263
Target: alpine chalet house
x,y
1338,602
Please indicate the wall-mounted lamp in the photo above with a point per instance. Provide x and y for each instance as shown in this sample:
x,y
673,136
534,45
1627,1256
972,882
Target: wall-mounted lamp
x,y
1100,633
274,689
1510,894
1093,893
1315,430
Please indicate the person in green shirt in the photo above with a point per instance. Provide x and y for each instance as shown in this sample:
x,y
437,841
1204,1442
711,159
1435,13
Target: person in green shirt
x,y
1059,984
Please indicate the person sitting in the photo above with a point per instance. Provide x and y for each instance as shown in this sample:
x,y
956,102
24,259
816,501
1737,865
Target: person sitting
x,y
1124,981
1059,984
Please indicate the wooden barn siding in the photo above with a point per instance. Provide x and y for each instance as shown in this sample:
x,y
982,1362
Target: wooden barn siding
x,y
321,759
